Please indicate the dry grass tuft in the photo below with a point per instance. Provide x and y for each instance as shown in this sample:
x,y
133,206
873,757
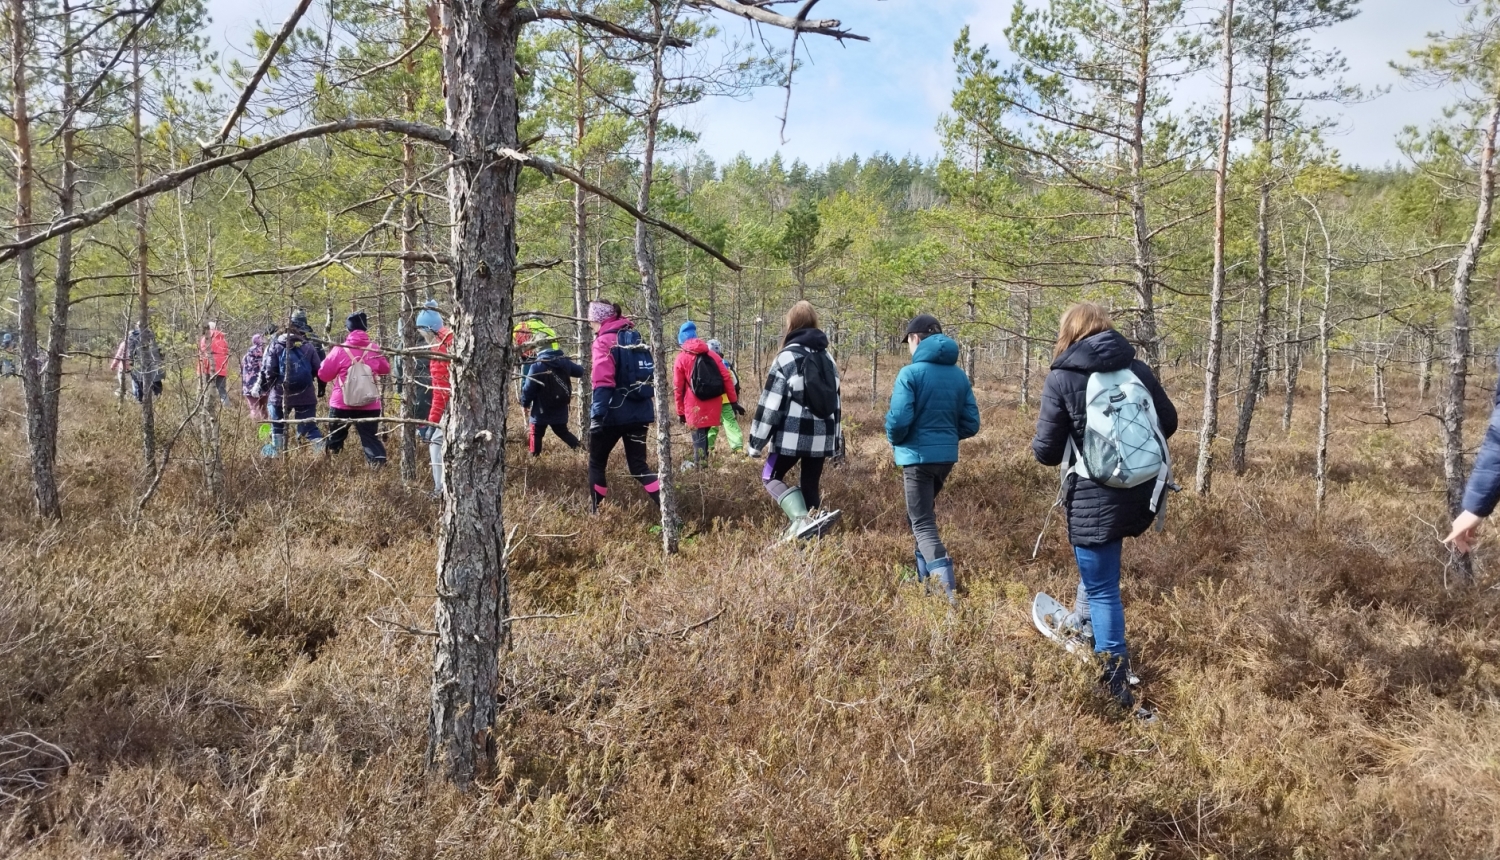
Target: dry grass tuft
x,y
179,686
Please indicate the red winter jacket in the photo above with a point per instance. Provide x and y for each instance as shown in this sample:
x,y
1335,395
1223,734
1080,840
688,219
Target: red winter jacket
x,y
699,413
442,385
213,346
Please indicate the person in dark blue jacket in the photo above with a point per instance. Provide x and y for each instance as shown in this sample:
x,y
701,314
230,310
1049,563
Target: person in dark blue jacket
x,y
932,408
1099,517
548,394
1483,490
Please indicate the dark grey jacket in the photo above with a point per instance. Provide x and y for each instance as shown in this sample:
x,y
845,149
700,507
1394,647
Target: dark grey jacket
x,y
1096,514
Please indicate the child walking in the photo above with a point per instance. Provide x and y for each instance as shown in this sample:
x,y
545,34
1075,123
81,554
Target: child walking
x,y
547,393
700,385
797,422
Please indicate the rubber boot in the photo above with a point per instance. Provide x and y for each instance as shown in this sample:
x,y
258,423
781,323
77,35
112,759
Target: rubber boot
x,y
942,571
795,507
435,457
923,574
275,447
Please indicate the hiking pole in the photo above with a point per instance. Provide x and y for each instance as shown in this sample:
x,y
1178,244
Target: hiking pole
x,y
1045,522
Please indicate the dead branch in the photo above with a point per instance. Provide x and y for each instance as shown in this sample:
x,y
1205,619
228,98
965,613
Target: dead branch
x,y
335,259
754,12
682,634
272,50
597,23
397,626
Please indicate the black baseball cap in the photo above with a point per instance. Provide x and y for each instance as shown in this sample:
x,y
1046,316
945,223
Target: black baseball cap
x,y
923,324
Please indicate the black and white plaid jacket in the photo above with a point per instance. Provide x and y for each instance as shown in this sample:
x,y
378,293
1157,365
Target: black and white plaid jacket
x,y
781,418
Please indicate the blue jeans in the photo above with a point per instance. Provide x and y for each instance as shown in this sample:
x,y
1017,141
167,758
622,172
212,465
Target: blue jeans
x,y
1099,569
308,429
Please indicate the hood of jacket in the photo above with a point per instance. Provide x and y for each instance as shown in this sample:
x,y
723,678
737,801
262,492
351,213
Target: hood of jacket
x,y
358,339
810,338
614,325
936,349
695,346
1097,353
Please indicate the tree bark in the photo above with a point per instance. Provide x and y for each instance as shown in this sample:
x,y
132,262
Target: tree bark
x,y
1458,359
645,261
409,337
473,595
1210,429
62,291
583,334
147,350
1258,347
43,477
1325,364
1145,265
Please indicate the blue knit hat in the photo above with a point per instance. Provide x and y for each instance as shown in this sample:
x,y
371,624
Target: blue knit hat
x,y
430,319
688,331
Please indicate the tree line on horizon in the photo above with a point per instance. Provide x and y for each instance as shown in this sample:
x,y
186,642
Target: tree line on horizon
x,y
509,159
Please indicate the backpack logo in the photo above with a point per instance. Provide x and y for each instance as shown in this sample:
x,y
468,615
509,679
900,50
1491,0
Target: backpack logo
x,y
1122,442
706,382
296,370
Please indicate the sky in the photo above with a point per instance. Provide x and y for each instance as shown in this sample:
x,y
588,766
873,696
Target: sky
x,y
887,95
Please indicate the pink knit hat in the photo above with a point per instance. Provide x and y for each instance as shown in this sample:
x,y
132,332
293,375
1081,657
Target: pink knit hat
x,y
600,312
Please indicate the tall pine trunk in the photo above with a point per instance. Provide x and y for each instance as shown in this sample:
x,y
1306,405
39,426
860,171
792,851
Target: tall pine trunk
x,y
1145,266
43,475
1204,480
145,364
473,595
409,337
583,334
1458,359
645,261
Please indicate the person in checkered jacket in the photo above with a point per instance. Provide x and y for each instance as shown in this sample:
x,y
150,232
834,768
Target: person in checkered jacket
x,y
797,422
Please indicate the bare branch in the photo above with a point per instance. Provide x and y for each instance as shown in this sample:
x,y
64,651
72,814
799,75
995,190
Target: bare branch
x,y
260,72
823,27
335,259
168,181
550,168
597,23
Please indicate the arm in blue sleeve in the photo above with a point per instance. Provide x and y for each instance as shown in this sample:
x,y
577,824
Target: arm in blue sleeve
x,y
1483,490
968,422
902,414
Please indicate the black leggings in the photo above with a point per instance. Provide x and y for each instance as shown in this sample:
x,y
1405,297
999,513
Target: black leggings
x,y
774,476
369,433
602,442
536,431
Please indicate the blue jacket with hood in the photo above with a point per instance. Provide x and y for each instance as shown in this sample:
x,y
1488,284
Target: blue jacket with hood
x,y
932,405
1483,490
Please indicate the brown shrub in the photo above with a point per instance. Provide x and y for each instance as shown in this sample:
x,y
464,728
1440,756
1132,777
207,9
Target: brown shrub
x,y
248,688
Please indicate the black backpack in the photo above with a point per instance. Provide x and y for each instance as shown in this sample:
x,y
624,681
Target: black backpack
x,y
706,382
555,389
820,391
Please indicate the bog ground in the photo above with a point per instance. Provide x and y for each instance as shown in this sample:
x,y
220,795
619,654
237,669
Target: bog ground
x,y
257,687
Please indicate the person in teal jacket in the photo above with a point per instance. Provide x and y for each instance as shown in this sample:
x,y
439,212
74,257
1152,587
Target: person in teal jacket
x,y
932,408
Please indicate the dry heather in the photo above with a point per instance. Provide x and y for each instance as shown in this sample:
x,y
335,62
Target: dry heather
x,y
244,688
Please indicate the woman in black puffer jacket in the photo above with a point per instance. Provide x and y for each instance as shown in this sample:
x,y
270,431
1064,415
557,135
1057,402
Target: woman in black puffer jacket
x,y
1099,517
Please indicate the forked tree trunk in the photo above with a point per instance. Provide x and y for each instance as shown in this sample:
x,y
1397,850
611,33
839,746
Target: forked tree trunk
x,y
1204,479
43,476
1458,359
473,595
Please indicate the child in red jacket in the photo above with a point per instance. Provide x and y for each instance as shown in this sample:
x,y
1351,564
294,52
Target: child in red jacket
x,y
440,340
700,383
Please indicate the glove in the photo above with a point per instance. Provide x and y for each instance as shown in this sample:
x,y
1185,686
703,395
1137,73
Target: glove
x,y
682,419
322,389
424,433
738,409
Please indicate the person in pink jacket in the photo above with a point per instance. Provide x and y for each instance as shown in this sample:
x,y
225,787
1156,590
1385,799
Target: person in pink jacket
x,y
700,413
351,368
213,360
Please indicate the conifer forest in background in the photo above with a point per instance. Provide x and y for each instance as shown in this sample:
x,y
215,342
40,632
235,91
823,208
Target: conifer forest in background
x,y
1327,332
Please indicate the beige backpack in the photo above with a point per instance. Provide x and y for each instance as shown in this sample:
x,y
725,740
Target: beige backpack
x,y
360,389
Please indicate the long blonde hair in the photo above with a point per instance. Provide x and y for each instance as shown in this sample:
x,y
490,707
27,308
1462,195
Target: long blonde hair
x,y
800,316
1082,320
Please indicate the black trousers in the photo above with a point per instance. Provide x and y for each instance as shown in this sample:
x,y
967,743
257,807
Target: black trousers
x,y
536,431
602,443
774,476
369,436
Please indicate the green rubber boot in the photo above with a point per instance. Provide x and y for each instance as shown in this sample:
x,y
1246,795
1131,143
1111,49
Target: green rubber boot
x,y
795,508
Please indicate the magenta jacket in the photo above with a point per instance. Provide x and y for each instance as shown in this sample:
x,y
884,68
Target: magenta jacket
x,y
336,366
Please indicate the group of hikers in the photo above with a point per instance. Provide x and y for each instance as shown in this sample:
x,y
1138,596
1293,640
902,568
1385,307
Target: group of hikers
x,y
1104,419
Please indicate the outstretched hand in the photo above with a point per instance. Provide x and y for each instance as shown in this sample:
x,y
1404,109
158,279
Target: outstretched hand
x,y
1465,528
